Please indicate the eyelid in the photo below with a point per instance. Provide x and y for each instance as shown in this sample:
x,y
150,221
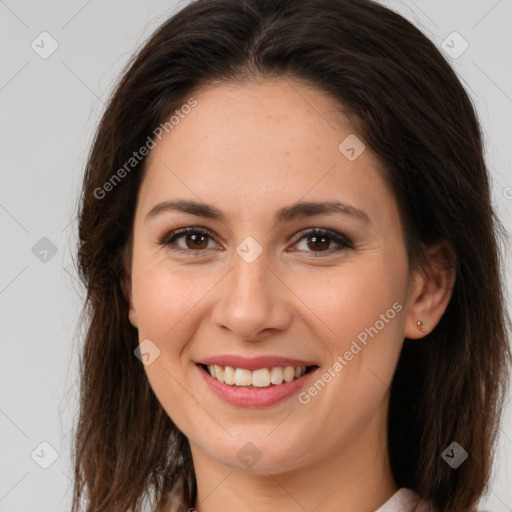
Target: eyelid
x,y
175,234
341,240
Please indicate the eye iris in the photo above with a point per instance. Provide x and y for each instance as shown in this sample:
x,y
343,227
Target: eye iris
x,y
324,244
194,237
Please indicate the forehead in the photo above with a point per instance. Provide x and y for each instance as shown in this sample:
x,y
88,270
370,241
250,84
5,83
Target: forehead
x,y
272,141
286,116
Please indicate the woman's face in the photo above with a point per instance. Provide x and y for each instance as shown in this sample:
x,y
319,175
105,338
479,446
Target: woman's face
x,y
252,286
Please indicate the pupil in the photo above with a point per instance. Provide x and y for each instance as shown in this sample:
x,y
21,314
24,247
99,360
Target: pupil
x,y
195,237
323,244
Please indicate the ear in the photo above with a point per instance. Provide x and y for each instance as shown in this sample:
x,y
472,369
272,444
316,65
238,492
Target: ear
x,y
431,291
126,285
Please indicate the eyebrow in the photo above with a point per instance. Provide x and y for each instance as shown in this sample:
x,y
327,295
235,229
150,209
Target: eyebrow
x,y
288,213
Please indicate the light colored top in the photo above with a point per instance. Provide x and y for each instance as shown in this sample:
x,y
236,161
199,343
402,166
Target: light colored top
x,y
404,500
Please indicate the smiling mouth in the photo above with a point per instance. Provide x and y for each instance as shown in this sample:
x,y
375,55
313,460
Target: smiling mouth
x,y
260,378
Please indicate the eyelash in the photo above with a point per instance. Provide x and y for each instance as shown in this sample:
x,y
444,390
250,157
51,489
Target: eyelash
x,y
341,240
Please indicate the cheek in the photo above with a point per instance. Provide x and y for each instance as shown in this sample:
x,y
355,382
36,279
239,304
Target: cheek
x,y
168,303
358,317
359,320
167,298
350,298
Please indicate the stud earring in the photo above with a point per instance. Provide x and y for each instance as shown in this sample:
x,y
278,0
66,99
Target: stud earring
x,y
419,323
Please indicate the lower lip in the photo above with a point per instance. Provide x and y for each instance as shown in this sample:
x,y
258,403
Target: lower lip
x,y
254,397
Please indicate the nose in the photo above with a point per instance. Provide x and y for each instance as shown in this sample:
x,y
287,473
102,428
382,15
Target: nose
x,y
252,302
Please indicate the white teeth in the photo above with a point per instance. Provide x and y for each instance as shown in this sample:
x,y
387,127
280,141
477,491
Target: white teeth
x,y
260,378
219,373
229,375
289,373
243,377
276,375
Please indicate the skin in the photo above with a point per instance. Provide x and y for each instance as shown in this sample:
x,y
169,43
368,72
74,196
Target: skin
x,y
250,149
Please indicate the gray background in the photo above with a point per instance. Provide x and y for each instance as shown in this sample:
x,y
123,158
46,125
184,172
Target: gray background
x,y
49,110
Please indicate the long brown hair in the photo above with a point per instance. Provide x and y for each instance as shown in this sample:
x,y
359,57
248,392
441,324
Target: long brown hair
x,y
408,105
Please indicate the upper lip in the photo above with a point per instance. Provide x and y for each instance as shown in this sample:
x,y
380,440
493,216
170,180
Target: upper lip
x,y
254,363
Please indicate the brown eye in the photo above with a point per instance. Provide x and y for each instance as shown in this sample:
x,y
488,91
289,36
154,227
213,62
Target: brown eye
x,y
195,240
319,241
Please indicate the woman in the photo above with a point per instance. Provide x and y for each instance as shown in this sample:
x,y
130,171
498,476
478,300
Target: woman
x,y
292,268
